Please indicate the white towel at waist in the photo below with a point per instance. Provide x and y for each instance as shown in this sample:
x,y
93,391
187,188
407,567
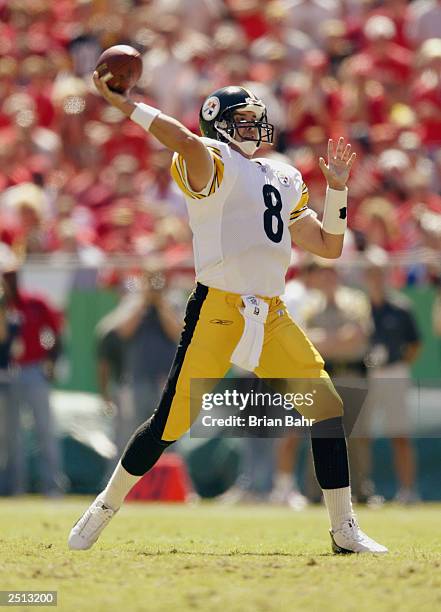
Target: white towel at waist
x,y
246,355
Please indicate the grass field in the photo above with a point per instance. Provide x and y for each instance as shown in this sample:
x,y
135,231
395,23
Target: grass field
x,y
208,557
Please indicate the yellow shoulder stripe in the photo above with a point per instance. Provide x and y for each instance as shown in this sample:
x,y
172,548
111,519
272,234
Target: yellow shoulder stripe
x,y
179,175
301,204
218,168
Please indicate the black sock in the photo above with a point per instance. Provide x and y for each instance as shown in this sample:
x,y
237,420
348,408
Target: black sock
x,y
330,453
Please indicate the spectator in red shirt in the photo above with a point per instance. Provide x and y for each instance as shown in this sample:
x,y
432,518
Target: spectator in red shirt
x,y
313,99
400,13
36,349
250,15
391,63
364,99
426,95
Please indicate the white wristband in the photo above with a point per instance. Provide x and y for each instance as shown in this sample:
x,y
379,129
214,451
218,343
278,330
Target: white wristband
x,y
335,213
144,114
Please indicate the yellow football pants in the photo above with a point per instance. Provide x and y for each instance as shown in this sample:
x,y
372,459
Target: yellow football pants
x,y
213,327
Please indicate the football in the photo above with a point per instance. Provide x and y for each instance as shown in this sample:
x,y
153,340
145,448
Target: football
x,y
124,63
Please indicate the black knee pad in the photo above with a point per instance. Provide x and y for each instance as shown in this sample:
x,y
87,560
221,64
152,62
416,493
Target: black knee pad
x,y
143,449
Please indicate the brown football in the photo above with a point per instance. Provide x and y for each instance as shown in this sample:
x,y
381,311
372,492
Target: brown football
x,y
124,63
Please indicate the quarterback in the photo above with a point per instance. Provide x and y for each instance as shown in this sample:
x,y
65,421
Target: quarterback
x,y
244,213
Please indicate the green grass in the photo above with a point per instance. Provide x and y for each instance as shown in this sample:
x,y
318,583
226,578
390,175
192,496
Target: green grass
x,y
209,557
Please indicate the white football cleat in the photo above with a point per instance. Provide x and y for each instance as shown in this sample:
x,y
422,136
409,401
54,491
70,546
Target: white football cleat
x,y
349,538
88,528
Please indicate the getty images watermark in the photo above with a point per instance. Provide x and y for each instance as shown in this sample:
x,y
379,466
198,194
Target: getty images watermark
x,y
251,407
245,402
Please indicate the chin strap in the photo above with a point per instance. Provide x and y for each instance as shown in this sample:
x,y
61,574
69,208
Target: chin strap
x,y
249,147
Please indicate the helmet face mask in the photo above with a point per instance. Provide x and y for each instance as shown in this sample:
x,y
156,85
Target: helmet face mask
x,y
219,120
241,128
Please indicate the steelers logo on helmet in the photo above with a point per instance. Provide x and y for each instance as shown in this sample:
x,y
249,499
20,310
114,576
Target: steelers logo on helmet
x,y
211,107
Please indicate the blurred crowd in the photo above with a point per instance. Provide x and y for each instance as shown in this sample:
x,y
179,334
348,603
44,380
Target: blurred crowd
x,y
77,179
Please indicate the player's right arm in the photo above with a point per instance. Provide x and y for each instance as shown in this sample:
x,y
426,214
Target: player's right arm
x,y
171,133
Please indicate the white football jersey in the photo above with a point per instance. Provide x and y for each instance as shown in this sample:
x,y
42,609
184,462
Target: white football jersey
x,y
240,221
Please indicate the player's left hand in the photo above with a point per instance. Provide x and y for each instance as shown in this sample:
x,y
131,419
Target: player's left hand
x,y
340,161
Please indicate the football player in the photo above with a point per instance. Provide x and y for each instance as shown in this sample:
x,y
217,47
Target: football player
x,y
244,213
